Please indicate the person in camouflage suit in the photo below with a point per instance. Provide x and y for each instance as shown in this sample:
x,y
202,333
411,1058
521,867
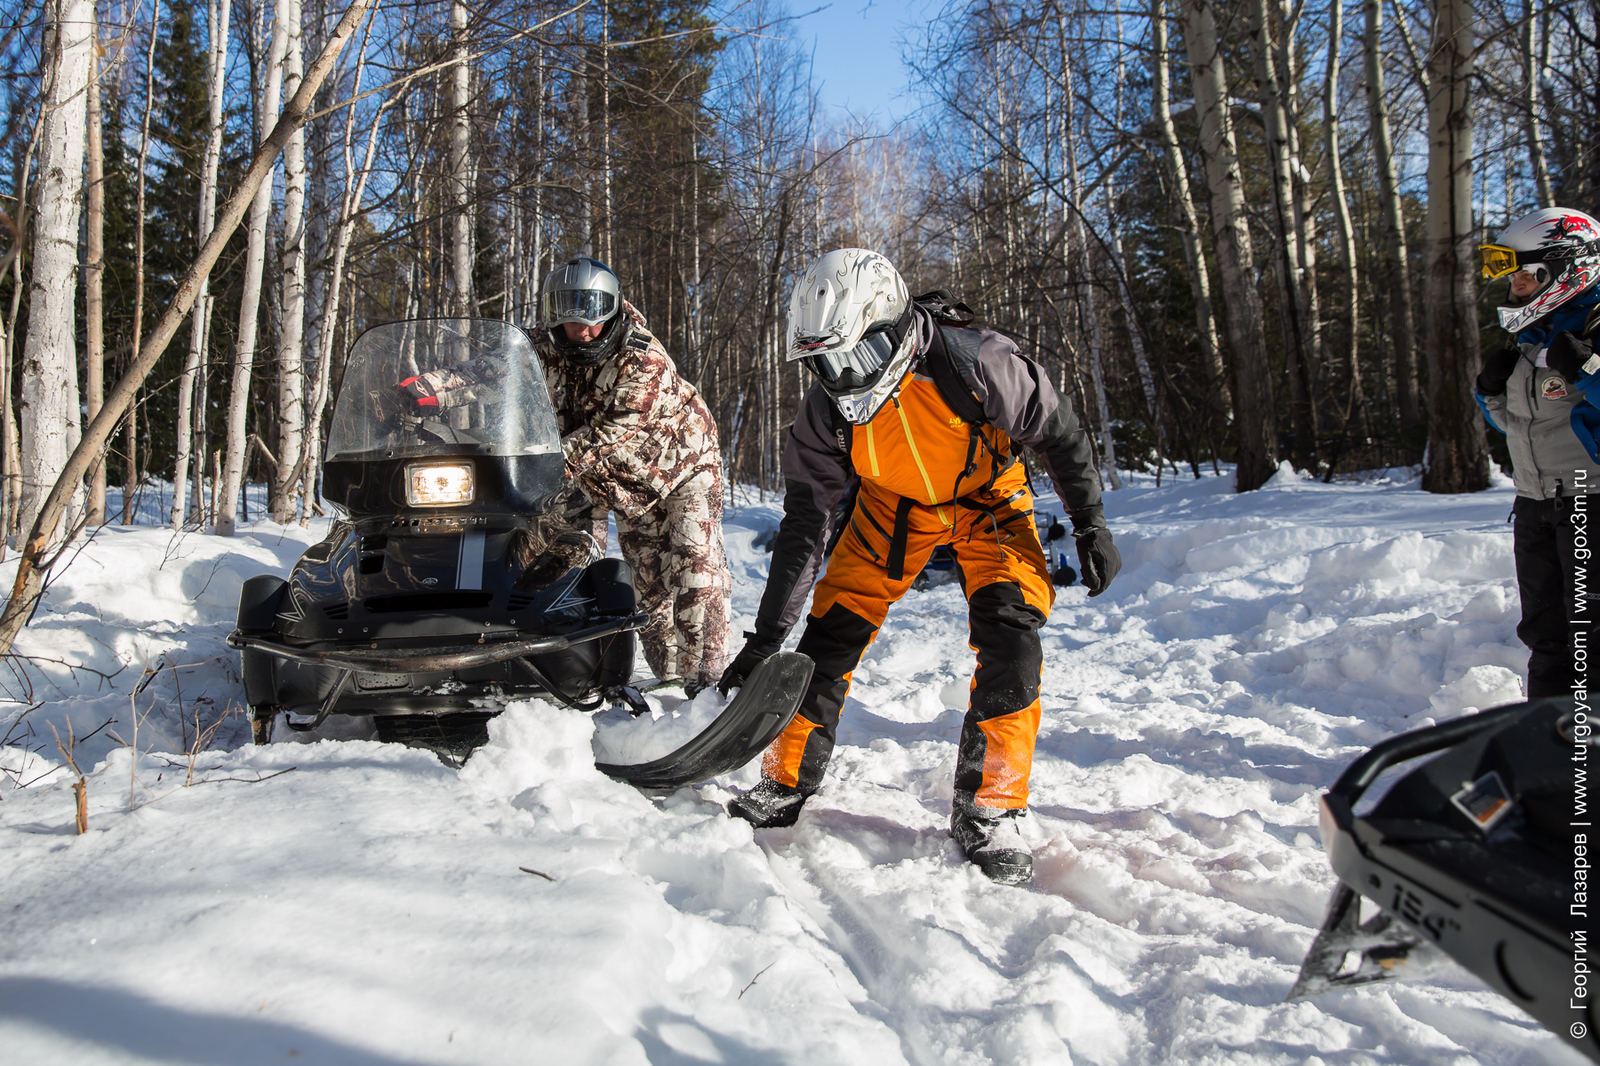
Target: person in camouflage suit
x,y
640,443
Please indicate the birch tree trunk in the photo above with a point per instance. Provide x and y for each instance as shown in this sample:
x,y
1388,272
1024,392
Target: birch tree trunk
x,y
244,352
192,414
1286,264
291,328
461,301
1530,103
94,285
1255,416
1458,456
50,360
1217,398
350,207
1354,401
1394,274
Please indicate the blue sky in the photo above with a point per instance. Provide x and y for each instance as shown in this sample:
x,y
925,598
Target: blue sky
x,y
857,50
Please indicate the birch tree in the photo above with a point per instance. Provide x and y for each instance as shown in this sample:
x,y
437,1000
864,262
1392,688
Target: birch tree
x,y
1217,398
291,328
1353,405
189,424
50,419
244,352
94,282
462,304
1255,416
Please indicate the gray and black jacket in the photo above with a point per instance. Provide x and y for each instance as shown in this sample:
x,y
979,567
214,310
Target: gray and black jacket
x,y
1017,399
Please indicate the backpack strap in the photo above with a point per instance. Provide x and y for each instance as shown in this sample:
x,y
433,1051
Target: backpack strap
x,y
941,366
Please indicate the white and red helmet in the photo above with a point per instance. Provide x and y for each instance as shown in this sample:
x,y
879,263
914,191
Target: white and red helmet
x,y
1557,245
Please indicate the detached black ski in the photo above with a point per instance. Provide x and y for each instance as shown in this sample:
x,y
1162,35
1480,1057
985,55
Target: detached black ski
x,y
752,719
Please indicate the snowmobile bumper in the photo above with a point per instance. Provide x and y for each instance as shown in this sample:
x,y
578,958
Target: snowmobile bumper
x,y
1472,854
428,659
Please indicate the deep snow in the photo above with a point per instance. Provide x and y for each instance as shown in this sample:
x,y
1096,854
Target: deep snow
x,y
343,901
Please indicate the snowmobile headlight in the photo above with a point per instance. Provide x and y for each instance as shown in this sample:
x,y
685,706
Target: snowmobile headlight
x,y
438,484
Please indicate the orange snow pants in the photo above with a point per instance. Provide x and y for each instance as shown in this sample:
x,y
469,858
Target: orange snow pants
x,y
1002,570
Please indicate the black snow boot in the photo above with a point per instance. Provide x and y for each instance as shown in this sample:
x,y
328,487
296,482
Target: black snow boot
x,y
769,805
992,841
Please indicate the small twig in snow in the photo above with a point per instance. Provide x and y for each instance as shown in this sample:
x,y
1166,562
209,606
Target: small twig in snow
x,y
756,978
536,873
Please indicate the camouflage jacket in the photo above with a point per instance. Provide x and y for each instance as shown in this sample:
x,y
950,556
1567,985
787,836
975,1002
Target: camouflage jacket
x,y
632,429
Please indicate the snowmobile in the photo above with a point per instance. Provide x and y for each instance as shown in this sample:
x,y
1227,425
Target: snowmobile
x,y
1479,854
442,592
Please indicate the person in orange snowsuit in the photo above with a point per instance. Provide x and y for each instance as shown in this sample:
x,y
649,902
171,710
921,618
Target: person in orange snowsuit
x,y
924,417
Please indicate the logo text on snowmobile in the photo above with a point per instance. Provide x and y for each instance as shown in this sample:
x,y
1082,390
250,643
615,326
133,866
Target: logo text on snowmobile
x,y
570,599
1485,800
1555,387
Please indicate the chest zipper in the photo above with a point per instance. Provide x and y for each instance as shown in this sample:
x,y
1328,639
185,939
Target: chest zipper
x,y
927,482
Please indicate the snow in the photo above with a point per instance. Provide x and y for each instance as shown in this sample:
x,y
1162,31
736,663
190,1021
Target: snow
x,y
620,739
342,901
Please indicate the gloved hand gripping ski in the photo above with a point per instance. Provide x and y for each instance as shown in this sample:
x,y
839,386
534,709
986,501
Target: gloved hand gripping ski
x,y
757,650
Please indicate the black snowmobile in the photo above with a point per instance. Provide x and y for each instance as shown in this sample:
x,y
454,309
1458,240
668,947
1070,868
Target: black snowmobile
x,y
1480,853
438,599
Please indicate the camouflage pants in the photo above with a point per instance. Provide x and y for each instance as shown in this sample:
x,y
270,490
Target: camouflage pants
x,y
681,575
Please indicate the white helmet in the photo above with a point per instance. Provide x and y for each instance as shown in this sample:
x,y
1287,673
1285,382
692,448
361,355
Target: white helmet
x,y
850,320
1560,247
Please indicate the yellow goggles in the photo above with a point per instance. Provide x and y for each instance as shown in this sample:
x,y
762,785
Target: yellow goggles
x,y
1498,260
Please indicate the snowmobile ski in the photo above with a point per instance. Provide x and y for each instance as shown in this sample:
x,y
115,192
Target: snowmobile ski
x,y
1469,854
752,719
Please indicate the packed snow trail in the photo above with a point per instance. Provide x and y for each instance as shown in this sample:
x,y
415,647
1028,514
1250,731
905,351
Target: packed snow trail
x,y
372,906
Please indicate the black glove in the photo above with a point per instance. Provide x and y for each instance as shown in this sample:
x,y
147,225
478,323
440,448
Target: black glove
x,y
1571,355
1099,558
1497,370
757,650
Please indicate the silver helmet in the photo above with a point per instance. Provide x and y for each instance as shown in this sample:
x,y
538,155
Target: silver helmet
x,y
850,320
586,292
1558,246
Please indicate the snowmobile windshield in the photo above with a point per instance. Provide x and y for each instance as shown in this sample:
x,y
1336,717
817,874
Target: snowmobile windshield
x,y
442,386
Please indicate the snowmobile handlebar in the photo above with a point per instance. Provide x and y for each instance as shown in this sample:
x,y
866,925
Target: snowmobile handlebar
x,y
424,660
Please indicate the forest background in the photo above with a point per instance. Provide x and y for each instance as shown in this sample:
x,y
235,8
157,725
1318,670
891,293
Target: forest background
x,y
1241,232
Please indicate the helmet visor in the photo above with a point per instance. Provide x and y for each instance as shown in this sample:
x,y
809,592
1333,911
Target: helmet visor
x,y
1498,260
589,306
851,368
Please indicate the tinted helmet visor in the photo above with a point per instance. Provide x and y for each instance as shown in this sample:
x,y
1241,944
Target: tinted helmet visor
x,y
588,306
847,369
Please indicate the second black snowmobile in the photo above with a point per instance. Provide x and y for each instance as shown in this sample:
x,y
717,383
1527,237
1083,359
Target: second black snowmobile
x,y
1481,854
441,596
